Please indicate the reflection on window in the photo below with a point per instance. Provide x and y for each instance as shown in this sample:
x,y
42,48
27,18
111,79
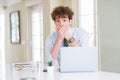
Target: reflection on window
x,y
15,25
87,18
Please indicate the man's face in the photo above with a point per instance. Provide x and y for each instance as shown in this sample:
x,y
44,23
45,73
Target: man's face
x,y
62,22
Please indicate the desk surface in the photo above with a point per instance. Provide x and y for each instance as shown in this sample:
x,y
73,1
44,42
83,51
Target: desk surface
x,y
82,76
69,76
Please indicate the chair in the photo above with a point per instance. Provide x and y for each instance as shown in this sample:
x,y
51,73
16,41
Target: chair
x,y
25,71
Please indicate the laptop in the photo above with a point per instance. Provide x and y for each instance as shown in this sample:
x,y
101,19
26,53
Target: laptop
x,y
78,59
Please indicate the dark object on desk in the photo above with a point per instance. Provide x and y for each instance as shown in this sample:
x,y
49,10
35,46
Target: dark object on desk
x,y
28,78
45,70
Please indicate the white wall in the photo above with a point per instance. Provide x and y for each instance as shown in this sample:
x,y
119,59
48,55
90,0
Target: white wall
x,y
19,52
15,52
109,28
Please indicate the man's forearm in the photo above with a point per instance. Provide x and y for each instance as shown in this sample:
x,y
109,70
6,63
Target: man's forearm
x,y
56,48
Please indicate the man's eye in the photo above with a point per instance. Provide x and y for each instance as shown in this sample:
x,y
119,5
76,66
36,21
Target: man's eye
x,y
57,20
64,20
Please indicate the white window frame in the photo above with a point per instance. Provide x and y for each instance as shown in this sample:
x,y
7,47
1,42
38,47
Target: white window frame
x,y
77,19
2,45
41,56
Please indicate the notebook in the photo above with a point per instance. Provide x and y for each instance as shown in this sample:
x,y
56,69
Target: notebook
x,y
78,59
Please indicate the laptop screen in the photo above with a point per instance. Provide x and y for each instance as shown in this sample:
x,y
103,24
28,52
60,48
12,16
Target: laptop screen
x,y
78,59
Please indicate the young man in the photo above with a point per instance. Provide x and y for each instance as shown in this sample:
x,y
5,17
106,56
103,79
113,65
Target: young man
x,y
75,37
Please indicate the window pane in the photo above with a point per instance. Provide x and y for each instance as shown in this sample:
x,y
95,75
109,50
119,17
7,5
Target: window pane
x,y
36,29
87,18
87,22
2,45
2,27
36,23
35,42
87,7
37,33
36,55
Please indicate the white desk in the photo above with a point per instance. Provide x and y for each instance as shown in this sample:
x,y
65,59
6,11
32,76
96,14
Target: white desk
x,y
82,76
72,76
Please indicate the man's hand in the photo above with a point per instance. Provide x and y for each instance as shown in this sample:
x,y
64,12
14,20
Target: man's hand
x,y
61,33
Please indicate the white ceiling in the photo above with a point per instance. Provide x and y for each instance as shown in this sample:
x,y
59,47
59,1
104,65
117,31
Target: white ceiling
x,y
8,2
5,3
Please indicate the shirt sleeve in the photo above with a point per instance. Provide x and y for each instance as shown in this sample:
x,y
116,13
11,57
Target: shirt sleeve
x,y
48,47
83,38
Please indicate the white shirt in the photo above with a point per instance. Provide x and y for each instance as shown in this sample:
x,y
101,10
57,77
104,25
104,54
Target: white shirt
x,y
79,34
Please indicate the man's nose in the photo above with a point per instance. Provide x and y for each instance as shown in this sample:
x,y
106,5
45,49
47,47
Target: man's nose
x,y
61,23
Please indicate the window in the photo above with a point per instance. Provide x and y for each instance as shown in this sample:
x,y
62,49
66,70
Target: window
x,y
2,45
87,18
37,33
